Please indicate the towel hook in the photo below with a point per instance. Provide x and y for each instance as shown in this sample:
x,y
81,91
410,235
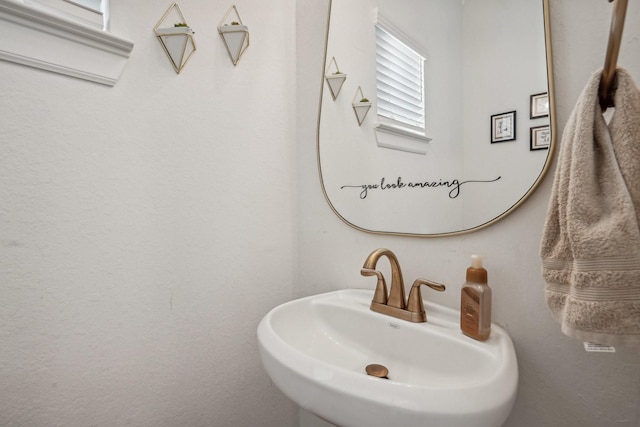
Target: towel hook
x,y
608,82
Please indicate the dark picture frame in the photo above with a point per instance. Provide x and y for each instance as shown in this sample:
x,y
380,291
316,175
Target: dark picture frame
x,y
540,137
503,127
539,105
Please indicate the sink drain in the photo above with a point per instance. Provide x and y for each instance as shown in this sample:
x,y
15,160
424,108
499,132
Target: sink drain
x,y
376,370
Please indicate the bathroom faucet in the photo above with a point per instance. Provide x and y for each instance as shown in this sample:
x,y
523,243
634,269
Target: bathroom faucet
x,y
393,303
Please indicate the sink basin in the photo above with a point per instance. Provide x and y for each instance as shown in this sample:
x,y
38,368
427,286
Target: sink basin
x,y
316,349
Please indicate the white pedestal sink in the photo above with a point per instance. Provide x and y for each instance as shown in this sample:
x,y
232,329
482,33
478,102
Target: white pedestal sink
x,y
315,350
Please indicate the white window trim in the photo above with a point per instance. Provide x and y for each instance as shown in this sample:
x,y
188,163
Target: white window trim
x,y
388,133
396,31
30,36
401,138
94,13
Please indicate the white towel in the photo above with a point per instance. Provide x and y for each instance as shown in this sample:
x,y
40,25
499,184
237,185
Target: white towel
x,y
591,241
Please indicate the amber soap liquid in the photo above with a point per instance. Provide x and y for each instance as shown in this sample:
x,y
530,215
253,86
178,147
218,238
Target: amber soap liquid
x,y
475,302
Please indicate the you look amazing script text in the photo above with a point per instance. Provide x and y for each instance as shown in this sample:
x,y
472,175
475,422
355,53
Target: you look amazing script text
x,y
453,185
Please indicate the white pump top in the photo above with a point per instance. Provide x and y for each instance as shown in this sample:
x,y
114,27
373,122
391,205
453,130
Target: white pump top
x,y
476,260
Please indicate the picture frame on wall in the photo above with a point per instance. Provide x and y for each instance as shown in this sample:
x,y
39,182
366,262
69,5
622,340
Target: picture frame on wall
x,y
540,137
539,105
503,127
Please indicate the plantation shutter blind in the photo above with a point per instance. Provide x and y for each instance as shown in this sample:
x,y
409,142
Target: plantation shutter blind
x,y
400,77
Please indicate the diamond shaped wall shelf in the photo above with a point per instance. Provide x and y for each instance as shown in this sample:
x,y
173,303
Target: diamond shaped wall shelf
x,y
177,38
335,79
235,35
361,106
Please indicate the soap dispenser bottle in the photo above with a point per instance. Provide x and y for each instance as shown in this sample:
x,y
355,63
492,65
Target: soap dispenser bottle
x,y
475,302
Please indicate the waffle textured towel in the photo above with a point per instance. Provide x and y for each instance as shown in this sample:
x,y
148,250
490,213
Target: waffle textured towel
x,y
591,242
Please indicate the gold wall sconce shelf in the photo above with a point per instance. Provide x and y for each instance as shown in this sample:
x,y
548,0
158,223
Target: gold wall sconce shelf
x,y
361,106
235,35
176,37
335,79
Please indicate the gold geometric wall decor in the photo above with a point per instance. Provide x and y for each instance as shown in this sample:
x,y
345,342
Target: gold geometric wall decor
x,y
235,35
176,37
361,106
335,79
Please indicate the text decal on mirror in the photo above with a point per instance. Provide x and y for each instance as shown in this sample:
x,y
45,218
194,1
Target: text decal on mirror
x,y
455,185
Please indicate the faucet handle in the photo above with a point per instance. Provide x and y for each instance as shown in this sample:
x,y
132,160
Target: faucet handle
x,y
414,303
380,295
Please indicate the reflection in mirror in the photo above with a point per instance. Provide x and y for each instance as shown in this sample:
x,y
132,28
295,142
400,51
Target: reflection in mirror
x,y
460,127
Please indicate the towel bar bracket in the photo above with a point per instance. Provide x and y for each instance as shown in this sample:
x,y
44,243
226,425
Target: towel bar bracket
x,y
608,83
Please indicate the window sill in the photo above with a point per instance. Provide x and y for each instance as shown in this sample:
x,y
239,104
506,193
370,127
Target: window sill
x,y
32,37
402,139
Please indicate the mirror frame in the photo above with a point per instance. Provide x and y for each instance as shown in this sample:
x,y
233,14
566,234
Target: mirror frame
x,y
552,145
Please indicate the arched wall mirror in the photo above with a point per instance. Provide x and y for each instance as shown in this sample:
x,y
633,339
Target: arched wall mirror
x,y
437,116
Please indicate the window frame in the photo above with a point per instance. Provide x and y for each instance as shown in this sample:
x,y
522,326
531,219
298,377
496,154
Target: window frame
x,y
392,133
80,11
36,38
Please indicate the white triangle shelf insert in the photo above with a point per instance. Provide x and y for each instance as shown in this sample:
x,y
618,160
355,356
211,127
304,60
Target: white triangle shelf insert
x,y
177,40
235,35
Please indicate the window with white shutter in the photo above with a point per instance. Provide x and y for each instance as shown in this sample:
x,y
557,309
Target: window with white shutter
x,y
400,81
400,100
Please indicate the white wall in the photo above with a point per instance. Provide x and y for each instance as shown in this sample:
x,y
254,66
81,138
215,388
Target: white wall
x,y
560,384
145,229
138,250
